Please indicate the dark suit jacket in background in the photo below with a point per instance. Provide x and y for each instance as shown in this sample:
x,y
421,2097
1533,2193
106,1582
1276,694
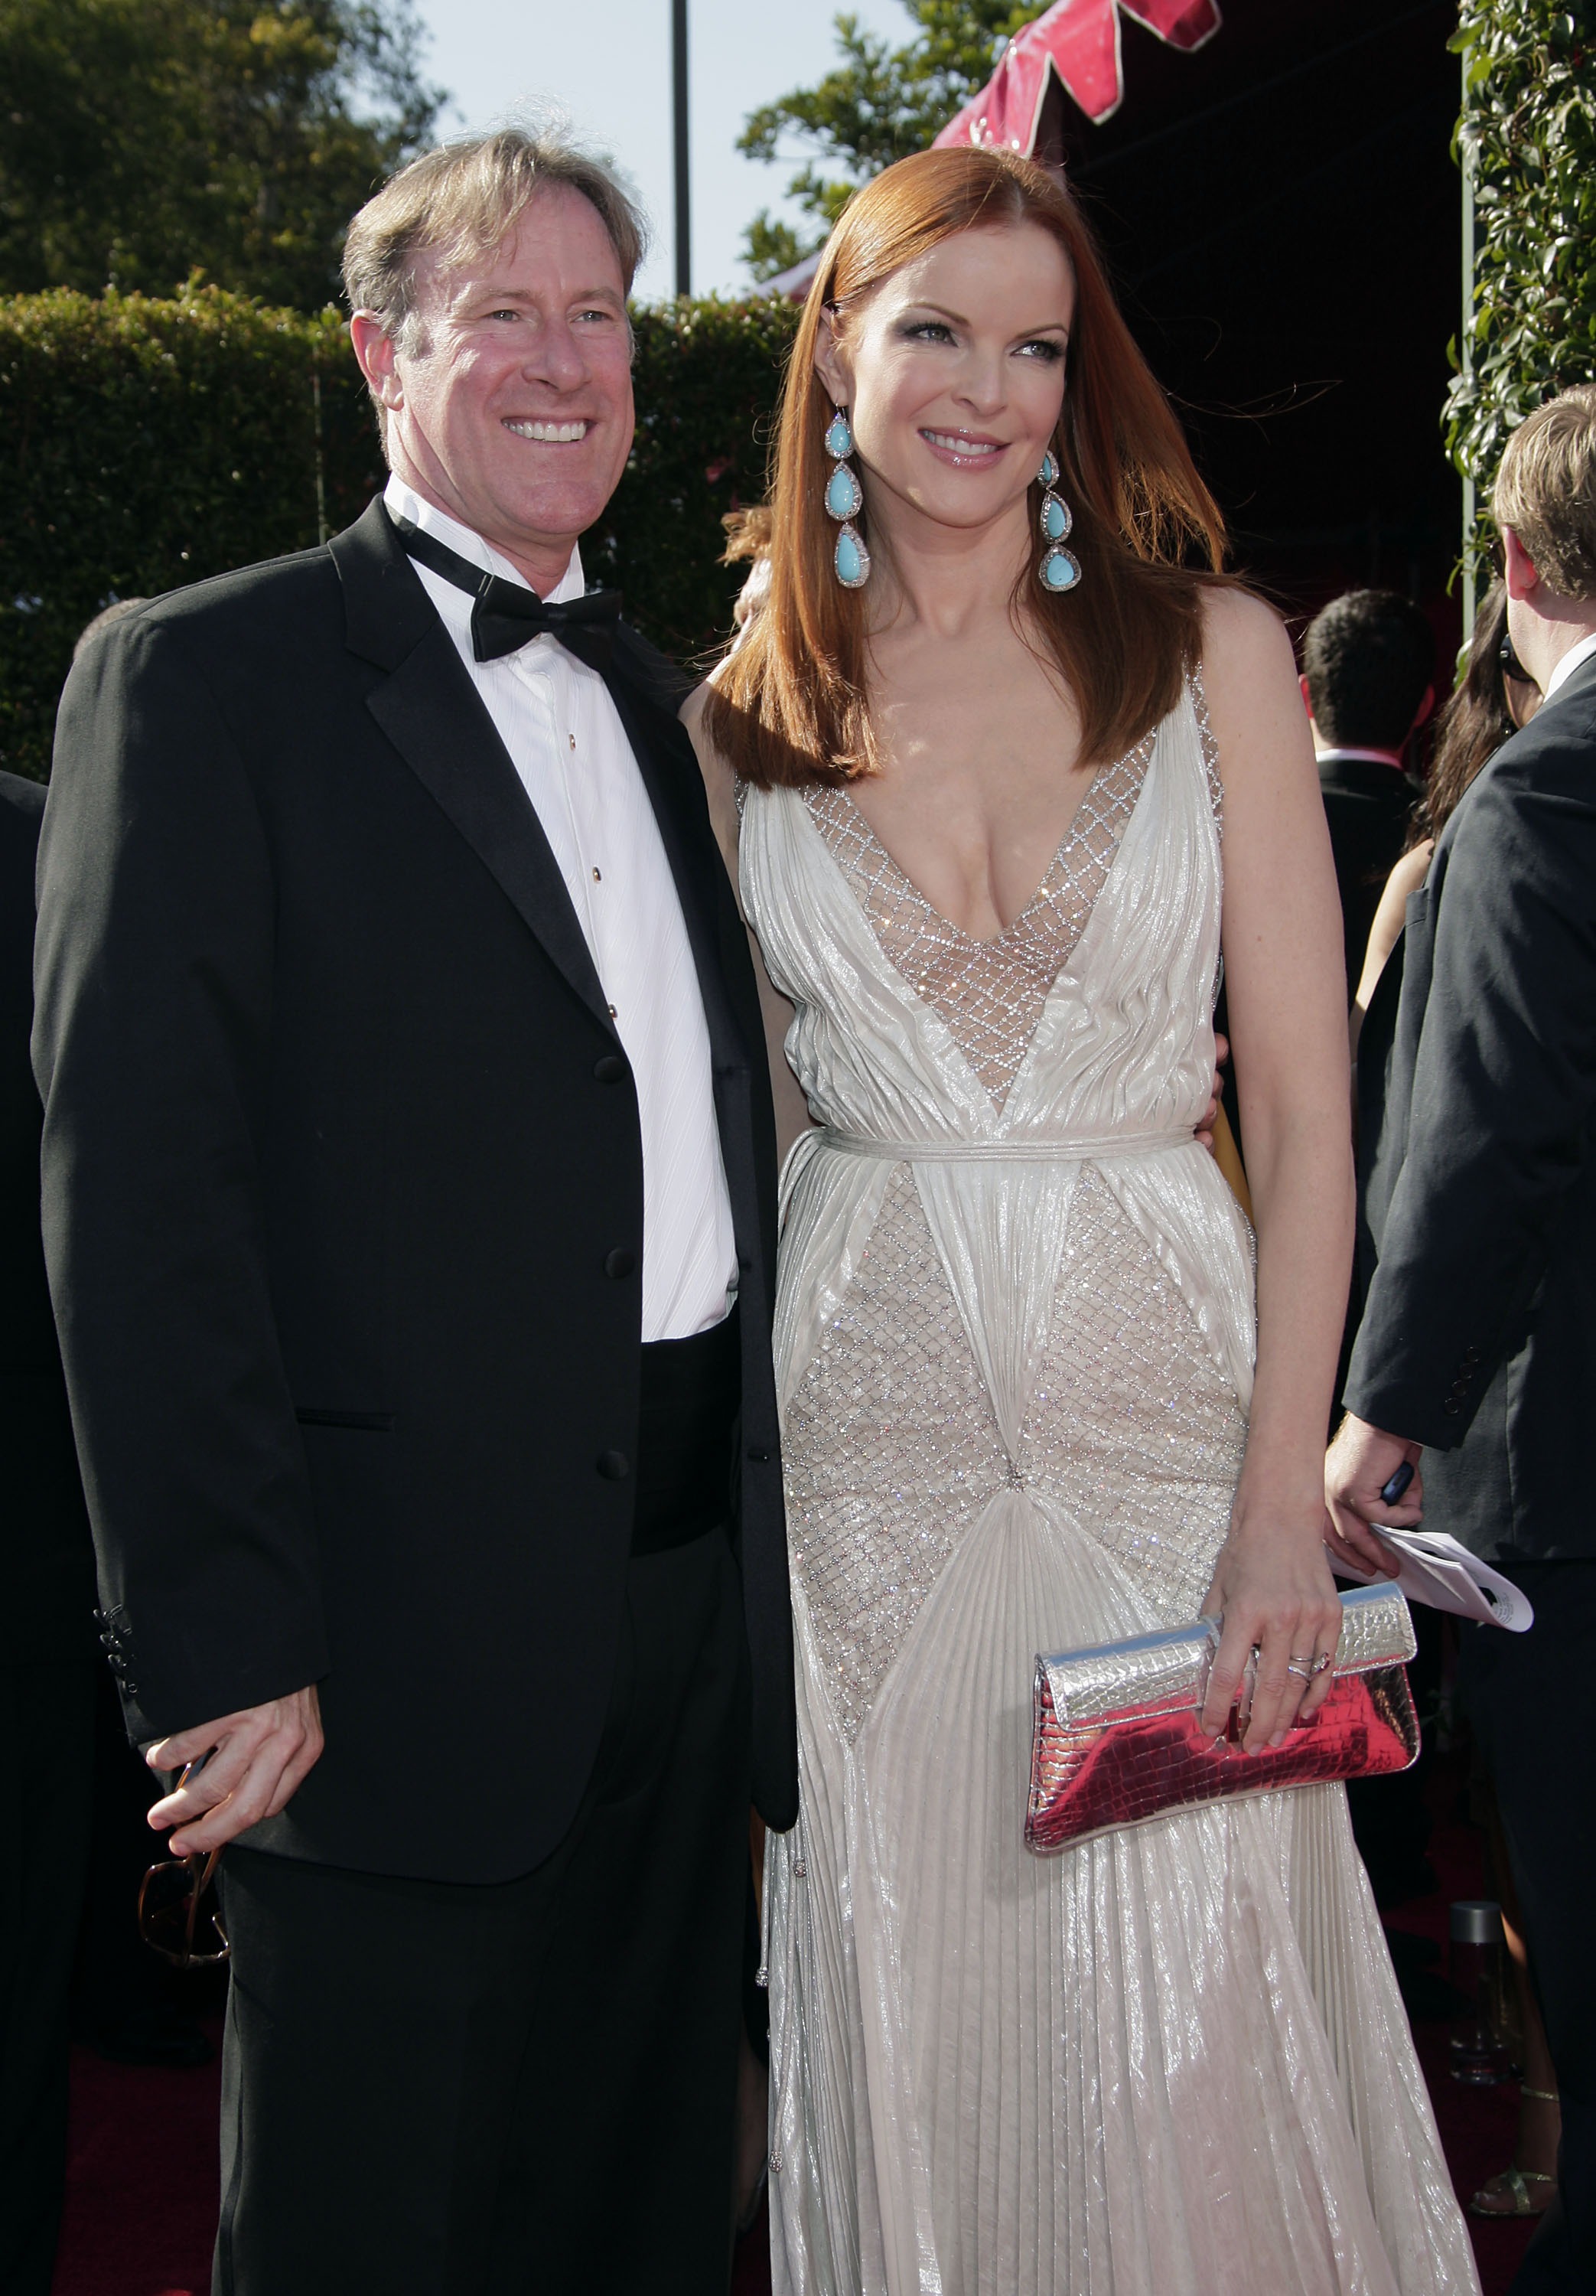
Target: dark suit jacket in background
x,y
1479,1336
1369,807
338,1137
46,1559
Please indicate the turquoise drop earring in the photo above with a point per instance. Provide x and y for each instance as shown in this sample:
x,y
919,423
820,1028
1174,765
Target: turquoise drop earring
x,y
844,498
1060,568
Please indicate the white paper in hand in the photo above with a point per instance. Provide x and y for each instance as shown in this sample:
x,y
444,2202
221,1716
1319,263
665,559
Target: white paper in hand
x,y
1432,1567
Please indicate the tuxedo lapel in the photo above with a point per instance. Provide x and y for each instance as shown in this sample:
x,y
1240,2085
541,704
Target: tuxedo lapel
x,y
434,716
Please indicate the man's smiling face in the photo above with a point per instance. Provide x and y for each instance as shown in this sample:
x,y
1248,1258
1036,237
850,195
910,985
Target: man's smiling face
x,y
509,392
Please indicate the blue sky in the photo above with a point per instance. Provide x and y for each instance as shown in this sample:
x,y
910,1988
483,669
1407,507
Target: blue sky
x,y
608,64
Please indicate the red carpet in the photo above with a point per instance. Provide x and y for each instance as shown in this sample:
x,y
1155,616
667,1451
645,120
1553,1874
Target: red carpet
x,y
141,2174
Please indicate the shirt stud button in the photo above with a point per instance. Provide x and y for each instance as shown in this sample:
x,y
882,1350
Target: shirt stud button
x,y
598,876
573,741
612,1012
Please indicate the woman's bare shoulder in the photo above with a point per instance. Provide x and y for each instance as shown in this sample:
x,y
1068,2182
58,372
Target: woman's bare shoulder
x,y
1241,635
1250,683
720,783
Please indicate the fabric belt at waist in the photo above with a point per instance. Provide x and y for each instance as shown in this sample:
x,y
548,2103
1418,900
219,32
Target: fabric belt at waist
x,y
686,1437
1096,1145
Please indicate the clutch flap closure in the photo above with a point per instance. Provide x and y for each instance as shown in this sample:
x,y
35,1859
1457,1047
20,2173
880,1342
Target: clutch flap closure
x,y
1377,1630
1152,1674
1167,1673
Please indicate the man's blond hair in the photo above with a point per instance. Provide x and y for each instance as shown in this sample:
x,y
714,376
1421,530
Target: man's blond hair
x,y
1546,490
464,199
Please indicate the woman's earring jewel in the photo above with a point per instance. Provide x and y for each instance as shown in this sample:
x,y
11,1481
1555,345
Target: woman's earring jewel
x,y
1060,568
844,499
851,559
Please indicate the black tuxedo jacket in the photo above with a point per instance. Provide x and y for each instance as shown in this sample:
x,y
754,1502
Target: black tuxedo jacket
x,y
1367,806
1479,1336
337,1137
46,1563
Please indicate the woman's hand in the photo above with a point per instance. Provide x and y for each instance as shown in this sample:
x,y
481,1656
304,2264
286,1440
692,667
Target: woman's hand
x,y
1272,1587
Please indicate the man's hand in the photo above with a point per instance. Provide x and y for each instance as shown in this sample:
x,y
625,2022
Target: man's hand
x,y
1206,1121
1357,1466
256,1761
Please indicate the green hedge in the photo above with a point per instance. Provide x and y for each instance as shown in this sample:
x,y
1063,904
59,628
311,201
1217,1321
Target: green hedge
x,y
150,443
1528,129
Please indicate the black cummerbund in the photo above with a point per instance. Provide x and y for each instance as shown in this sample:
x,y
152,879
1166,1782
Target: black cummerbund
x,y
686,1437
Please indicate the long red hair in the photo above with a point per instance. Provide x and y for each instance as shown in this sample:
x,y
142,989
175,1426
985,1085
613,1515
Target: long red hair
x,y
791,704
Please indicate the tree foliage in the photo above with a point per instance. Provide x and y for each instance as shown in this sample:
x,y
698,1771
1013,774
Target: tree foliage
x,y
1528,133
150,442
142,140
879,105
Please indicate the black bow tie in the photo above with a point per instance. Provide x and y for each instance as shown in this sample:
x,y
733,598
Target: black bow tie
x,y
506,616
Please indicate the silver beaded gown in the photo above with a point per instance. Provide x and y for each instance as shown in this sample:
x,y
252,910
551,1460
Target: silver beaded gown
x,y
1014,1350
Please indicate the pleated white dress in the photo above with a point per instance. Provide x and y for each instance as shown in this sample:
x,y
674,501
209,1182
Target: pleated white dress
x,y
1014,1347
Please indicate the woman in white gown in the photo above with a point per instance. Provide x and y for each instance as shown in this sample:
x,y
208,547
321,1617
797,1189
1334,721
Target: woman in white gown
x,y
978,800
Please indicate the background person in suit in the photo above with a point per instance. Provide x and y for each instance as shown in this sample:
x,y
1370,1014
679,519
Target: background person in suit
x,y
49,1583
1368,678
1475,1361
407,1139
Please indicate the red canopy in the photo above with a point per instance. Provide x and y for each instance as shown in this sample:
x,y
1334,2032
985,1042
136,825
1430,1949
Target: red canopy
x,y
1078,41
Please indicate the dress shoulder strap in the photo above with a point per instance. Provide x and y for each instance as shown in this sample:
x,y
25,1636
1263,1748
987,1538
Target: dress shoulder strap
x,y
1209,746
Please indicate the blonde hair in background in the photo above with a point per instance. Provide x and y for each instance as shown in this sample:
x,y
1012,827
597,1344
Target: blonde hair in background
x,y
465,198
1546,490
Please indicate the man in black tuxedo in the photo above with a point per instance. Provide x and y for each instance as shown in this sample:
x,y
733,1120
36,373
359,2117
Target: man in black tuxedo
x,y
49,1586
409,1185
1368,679
1477,1356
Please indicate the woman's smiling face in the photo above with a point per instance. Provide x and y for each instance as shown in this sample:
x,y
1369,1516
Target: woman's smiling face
x,y
952,369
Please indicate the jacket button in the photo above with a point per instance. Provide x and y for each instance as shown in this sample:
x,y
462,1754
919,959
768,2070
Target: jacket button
x,y
760,1458
618,1264
1451,1406
1471,1357
613,1465
611,1069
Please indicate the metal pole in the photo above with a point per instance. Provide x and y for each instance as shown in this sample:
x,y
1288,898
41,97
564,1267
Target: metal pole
x,y
678,60
1466,352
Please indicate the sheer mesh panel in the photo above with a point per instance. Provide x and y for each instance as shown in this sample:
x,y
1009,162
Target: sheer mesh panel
x,y
990,993
1132,1423
891,1449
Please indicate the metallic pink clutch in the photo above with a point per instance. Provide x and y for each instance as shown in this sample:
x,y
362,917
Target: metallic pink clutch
x,y
1117,1737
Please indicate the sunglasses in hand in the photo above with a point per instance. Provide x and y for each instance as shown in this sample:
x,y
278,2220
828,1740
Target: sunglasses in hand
x,y
179,1916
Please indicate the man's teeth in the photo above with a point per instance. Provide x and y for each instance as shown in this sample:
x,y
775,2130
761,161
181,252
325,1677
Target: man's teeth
x,y
960,446
551,434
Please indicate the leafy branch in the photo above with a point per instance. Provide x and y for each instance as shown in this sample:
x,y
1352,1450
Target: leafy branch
x,y
1529,133
878,105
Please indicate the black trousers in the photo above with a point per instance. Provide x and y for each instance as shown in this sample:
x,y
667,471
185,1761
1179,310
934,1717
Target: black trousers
x,y
1531,1700
437,2089
41,1889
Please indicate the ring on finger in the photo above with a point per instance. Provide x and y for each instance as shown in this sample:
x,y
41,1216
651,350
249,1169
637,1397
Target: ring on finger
x,y
1302,1666
1325,1659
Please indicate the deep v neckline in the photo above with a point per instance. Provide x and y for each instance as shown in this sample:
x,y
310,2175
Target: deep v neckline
x,y
990,994
869,835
